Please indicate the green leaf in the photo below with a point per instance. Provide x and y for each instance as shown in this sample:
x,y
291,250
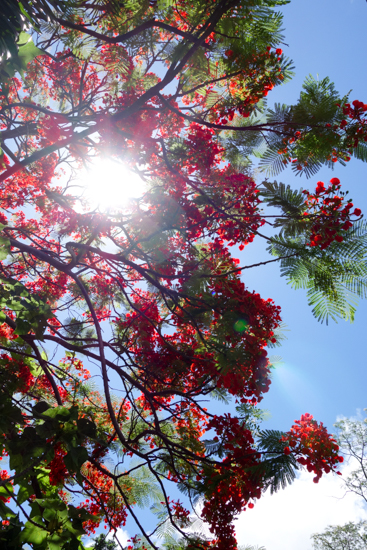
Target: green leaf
x,y
33,534
76,458
24,493
32,311
5,512
277,469
27,51
87,427
6,490
4,247
39,408
51,504
58,413
334,278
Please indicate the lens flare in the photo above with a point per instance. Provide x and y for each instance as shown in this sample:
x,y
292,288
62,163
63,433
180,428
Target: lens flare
x,y
108,185
240,325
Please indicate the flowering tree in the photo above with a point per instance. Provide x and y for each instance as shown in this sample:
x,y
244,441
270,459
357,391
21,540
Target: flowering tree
x,y
146,297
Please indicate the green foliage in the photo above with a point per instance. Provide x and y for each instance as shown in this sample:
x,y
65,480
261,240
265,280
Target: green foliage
x,y
18,15
291,202
317,101
241,146
280,337
77,332
335,277
252,417
52,524
18,61
352,439
360,152
32,311
351,536
317,111
145,491
16,46
279,469
101,543
4,245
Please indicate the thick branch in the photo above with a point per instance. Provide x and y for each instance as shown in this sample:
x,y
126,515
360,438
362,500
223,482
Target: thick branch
x,y
152,23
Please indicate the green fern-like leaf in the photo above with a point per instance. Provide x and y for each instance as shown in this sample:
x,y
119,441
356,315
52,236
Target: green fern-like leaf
x,y
314,115
272,161
279,336
279,469
280,113
360,152
334,278
291,202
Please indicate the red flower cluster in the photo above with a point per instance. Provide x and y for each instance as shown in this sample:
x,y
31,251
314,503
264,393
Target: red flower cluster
x,y
230,487
58,470
313,446
356,128
19,371
329,215
204,152
4,475
104,500
180,514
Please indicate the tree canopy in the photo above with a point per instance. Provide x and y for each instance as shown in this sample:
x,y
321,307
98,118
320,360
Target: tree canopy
x,y
352,439
101,543
351,536
124,321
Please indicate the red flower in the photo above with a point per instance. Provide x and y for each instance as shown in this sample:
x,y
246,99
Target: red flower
x,y
320,187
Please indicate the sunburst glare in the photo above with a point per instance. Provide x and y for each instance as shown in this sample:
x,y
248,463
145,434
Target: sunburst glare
x,y
108,185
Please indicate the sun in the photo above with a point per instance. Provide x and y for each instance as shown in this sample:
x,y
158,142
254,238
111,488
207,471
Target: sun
x,y
108,185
